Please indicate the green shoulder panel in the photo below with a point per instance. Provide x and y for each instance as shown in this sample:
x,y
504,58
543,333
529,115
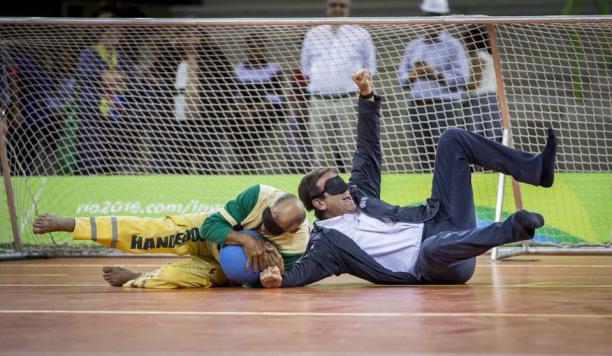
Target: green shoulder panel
x,y
216,227
290,258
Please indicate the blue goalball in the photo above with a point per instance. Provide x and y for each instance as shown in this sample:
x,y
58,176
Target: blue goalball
x,y
233,261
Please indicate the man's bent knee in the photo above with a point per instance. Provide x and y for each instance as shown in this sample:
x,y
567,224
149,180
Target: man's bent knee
x,y
450,135
450,140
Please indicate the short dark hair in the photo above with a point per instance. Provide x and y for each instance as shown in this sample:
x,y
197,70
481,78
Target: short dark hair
x,y
308,186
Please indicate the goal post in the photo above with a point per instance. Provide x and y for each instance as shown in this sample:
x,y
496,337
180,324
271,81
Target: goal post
x,y
153,117
575,102
506,140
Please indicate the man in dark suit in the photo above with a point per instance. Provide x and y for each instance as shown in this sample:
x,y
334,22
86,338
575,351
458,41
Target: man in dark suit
x,y
357,233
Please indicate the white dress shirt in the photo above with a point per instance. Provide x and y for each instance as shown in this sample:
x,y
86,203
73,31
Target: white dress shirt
x,y
187,86
330,54
487,84
446,55
394,245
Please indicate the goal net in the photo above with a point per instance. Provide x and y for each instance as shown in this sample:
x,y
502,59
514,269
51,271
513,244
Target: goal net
x,y
158,117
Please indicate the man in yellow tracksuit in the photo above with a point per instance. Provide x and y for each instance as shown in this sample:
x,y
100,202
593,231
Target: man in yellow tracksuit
x,y
279,216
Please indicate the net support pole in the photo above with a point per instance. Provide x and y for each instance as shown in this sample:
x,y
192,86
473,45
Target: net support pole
x,y
6,175
507,138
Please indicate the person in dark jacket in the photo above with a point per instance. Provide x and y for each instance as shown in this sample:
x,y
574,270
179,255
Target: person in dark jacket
x,y
358,233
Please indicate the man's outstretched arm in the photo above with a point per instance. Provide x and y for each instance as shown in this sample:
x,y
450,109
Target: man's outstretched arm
x,y
368,156
319,262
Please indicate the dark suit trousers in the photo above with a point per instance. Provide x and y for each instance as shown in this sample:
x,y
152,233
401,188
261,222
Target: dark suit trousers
x,y
451,240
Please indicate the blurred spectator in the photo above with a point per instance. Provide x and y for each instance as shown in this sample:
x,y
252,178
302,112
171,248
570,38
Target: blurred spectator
x,y
434,71
329,56
103,76
66,106
40,86
10,110
259,96
480,107
298,148
159,112
117,8
5,92
192,81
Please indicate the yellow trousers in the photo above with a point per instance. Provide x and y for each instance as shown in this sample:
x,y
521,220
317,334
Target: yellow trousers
x,y
179,235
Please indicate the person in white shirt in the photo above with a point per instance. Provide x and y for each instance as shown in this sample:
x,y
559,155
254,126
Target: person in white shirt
x,y
480,107
193,109
433,71
259,94
329,55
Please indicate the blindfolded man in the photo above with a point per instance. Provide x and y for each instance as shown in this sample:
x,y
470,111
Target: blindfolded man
x,y
358,233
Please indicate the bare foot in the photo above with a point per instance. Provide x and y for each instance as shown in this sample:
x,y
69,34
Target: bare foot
x,y
50,223
117,276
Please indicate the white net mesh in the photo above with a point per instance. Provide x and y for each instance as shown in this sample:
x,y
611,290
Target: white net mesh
x,y
146,118
561,76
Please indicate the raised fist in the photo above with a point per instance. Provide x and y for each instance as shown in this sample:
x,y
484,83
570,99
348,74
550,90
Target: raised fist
x,y
363,79
271,277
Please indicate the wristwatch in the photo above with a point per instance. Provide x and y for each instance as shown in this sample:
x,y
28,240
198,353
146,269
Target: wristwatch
x,y
367,96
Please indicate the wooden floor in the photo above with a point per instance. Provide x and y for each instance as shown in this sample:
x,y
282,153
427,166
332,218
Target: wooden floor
x,y
535,304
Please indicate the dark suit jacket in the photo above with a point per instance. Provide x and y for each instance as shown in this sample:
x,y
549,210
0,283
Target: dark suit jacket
x,y
330,251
